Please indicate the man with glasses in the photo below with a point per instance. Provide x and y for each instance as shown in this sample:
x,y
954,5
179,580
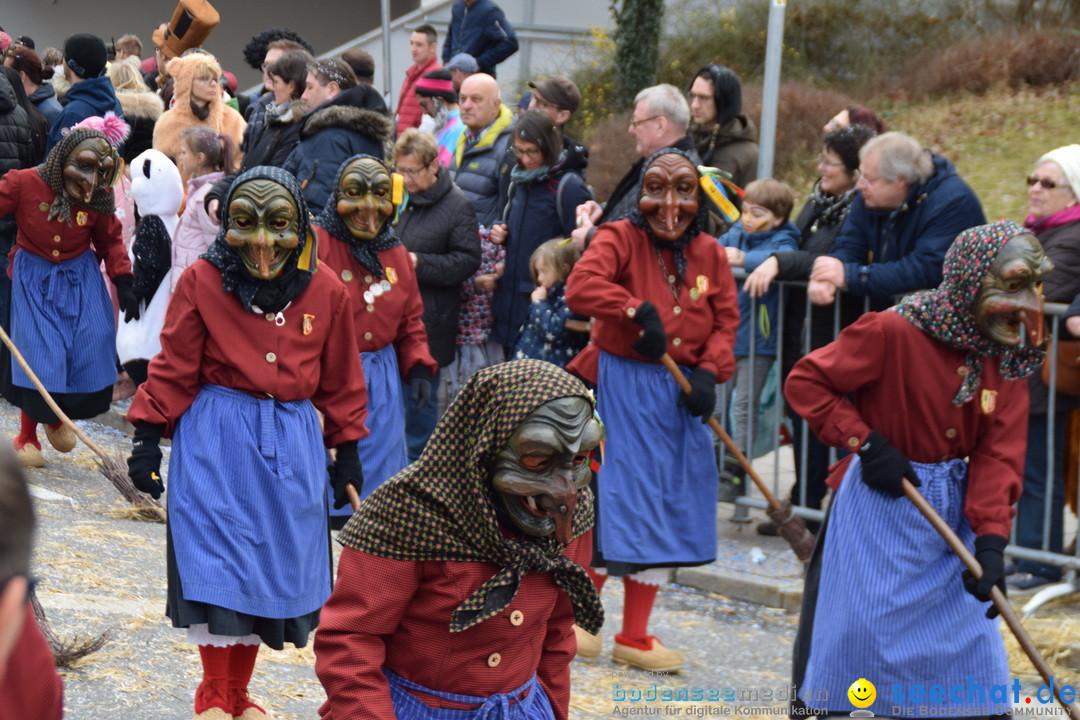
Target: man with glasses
x,y
910,207
661,117
724,136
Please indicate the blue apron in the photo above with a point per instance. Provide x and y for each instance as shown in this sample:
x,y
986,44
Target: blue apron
x,y
247,506
62,321
503,706
892,608
657,488
382,453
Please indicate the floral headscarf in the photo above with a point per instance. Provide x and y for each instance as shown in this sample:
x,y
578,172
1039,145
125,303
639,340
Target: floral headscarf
x,y
52,172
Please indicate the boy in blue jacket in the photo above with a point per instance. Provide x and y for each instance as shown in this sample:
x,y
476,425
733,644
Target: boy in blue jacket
x,y
762,230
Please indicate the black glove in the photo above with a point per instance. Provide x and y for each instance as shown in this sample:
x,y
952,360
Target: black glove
x,y
702,398
419,387
989,551
653,342
884,467
345,471
144,465
125,294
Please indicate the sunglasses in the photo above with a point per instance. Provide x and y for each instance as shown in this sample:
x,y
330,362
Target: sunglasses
x,y
1043,182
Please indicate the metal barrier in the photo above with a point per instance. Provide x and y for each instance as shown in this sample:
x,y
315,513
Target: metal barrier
x,y
1068,562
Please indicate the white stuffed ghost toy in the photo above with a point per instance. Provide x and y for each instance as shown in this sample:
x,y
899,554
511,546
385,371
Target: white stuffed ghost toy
x,y
158,193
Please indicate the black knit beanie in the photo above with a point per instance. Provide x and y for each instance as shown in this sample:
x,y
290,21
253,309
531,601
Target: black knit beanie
x,y
85,55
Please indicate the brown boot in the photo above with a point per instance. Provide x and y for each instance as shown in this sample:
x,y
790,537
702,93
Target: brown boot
x,y
61,437
30,455
655,658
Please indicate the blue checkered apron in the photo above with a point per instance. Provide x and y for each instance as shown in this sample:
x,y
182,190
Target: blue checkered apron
x,y
502,706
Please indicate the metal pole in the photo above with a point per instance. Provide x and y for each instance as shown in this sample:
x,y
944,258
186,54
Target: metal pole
x,y
387,76
770,96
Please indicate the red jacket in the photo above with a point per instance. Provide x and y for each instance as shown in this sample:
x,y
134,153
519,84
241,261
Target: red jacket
x,y
30,687
620,270
409,113
396,316
396,614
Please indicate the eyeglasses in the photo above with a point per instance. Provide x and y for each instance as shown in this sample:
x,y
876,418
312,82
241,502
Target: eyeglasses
x,y
823,159
859,175
1043,183
527,152
635,123
409,172
207,79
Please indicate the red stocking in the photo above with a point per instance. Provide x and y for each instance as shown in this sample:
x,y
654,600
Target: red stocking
x,y
637,607
27,432
241,665
213,691
598,579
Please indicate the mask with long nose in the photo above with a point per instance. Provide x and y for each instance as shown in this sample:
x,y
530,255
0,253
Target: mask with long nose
x,y
365,197
669,196
1010,298
263,226
90,165
544,466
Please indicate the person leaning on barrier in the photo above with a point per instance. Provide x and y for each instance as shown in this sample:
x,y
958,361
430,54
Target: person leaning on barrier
x,y
911,205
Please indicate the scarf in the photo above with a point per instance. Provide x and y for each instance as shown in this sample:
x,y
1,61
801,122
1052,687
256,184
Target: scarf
x,y
443,507
52,172
269,295
946,312
152,249
677,247
365,252
831,209
1061,217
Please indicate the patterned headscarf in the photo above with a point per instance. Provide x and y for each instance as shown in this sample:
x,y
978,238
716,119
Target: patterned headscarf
x,y
52,172
269,295
364,252
677,247
947,312
443,506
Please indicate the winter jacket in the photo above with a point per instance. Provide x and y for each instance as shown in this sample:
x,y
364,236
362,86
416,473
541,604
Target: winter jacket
x,y
409,111
732,147
86,98
532,218
889,252
196,230
279,137
256,120
1062,245
329,135
142,110
439,226
544,336
222,118
759,315
44,99
481,31
15,146
478,165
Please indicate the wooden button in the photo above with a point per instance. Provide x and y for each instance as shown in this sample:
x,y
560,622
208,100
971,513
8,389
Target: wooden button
x,y
269,316
346,275
950,433
371,308
853,442
56,238
369,279
56,253
677,310
631,312
517,617
367,336
676,342
494,659
271,357
43,207
962,371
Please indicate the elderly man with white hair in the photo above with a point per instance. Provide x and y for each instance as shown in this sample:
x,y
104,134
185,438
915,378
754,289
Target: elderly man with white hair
x,y
911,205
661,118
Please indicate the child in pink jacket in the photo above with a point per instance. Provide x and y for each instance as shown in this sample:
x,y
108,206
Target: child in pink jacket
x,y
204,155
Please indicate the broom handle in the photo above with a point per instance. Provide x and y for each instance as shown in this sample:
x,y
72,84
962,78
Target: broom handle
x,y
717,428
996,596
48,398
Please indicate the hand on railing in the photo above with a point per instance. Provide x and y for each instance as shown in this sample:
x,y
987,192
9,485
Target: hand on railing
x,y
758,282
821,292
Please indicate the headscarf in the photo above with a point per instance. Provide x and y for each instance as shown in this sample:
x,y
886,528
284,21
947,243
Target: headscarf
x,y
697,226
443,507
52,172
365,252
269,295
946,312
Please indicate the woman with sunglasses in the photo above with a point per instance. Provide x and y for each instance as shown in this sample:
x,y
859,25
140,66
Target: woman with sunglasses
x,y
1054,218
540,205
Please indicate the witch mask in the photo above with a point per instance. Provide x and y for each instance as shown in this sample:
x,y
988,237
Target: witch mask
x,y
90,165
263,226
1010,297
669,196
365,197
545,465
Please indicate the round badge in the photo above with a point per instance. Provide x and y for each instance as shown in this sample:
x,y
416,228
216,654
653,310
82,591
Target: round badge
x,y
386,286
376,289
368,297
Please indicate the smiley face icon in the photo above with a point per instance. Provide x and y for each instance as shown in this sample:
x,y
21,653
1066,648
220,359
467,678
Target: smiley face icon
x,y
862,693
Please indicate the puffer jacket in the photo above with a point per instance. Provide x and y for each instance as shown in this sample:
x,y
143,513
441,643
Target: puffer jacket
x,y
279,137
141,111
15,146
196,230
439,225
478,167
481,30
329,135
732,147
86,98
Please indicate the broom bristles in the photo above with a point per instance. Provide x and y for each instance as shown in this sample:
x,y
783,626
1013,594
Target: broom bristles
x,y
793,529
146,507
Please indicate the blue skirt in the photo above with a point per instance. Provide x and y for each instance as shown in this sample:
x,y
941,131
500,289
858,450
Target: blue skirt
x,y
382,453
535,704
62,321
892,608
247,504
657,489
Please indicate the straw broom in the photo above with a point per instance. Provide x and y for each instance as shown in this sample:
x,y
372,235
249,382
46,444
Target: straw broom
x,y
996,596
111,466
791,527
